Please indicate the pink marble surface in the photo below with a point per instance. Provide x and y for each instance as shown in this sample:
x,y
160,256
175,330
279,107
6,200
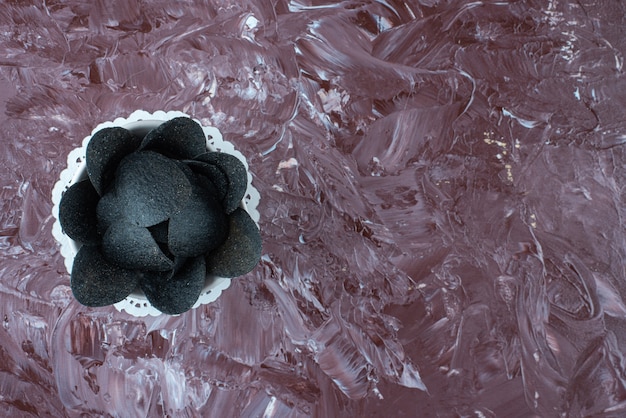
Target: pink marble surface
x,y
442,207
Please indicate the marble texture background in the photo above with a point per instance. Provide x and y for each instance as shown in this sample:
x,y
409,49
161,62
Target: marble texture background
x,y
442,207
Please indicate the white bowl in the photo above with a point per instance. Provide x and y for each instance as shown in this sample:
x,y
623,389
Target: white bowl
x,y
140,123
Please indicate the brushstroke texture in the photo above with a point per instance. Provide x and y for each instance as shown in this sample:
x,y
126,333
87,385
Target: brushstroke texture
x,y
442,207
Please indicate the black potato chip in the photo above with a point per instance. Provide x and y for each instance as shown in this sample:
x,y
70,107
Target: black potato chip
x,y
77,213
108,211
235,173
177,293
213,173
150,188
133,247
199,227
177,138
240,252
105,150
97,282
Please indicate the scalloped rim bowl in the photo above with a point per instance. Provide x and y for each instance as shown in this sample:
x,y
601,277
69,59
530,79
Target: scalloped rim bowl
x,y
140,123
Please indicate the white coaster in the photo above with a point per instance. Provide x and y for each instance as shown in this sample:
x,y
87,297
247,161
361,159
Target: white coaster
x,y
141,122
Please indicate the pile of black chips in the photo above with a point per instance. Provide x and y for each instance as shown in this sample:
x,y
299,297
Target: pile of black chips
x,y
158,213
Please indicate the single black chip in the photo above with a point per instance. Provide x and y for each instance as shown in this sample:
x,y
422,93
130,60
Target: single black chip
x,y
199,227
105,150
108,211
78,213
177,293
178,138
241,251
97,282
150,188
